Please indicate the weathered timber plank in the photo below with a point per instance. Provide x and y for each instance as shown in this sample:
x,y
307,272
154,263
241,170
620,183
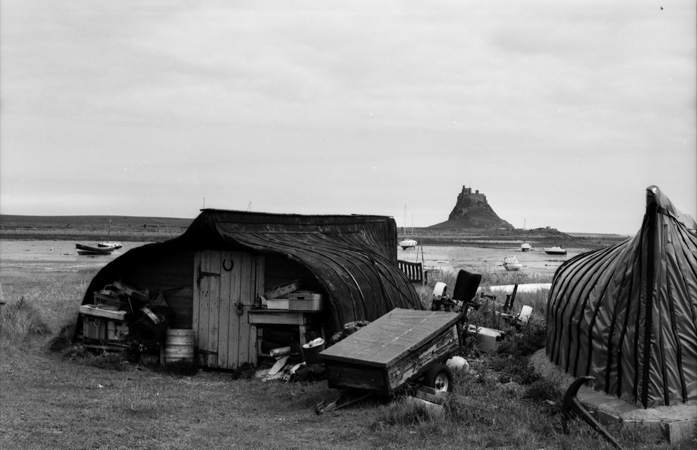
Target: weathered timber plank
x,y
246,299
226,351
385,340
213,308
357,377
436,349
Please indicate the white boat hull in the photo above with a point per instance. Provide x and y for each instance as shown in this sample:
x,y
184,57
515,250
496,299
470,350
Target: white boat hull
x,y
109,244
511,263
407,243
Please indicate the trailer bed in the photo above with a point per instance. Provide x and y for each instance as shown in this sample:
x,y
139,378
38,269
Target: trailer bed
x,y
396,348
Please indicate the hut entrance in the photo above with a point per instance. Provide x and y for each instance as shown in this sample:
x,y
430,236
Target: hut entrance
x,y
225,286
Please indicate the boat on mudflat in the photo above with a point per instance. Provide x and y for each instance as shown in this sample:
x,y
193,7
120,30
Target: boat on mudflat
x,y
115,245
556,250
83,249
511,263
407,243
525,247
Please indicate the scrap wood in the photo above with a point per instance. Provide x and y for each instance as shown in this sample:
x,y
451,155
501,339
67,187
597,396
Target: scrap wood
x,y
276,371
281,290
280,363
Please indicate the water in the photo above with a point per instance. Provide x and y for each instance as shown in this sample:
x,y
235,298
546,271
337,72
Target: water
x,y
480,260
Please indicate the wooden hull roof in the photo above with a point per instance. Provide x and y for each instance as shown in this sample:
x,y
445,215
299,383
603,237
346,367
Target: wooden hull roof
x,y
354,258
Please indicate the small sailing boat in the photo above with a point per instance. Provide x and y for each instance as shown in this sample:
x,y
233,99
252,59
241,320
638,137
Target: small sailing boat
x,y
407,242
108,243
85,249
556,250
525,247
511,263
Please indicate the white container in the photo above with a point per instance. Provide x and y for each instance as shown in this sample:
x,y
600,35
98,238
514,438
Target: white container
x,y
488,337
277,303
314,304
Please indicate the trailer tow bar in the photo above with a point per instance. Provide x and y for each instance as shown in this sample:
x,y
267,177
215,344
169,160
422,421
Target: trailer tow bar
x,y
572,405
344,399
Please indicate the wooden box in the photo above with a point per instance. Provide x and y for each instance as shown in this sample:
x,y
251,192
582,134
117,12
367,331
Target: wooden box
x,y
97,311
116,330
305,301
396,348
94,327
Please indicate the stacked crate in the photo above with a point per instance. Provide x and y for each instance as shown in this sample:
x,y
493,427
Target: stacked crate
x,y
104,321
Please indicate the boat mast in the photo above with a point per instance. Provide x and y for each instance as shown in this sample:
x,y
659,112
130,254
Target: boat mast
x,y
404,226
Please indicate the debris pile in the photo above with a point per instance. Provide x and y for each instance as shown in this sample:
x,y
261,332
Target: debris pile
x,y
123,318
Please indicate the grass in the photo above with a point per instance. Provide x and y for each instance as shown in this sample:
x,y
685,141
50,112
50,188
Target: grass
x,y
72,399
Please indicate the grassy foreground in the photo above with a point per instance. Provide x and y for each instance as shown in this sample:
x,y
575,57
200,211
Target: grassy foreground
x,y
66,398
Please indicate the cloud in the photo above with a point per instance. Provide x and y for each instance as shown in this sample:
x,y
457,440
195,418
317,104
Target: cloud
x,y
293,104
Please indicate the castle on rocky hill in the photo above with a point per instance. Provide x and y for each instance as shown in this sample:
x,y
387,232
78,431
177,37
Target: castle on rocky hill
x,y
473,211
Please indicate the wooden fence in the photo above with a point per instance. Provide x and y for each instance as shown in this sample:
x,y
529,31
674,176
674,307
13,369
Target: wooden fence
x,y
413,271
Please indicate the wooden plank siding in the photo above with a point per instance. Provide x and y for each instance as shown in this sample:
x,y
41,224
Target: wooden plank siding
x,y
227,283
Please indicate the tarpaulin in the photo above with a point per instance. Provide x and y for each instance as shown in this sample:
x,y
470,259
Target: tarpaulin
x,y
627,314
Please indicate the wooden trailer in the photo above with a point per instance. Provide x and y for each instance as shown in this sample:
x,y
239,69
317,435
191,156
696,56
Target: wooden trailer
x,y
400,347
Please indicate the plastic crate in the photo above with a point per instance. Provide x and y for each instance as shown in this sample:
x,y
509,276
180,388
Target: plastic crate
x,y
277,303
312,304
101,298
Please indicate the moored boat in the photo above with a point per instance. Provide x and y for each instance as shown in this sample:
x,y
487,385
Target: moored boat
x,y
407,243
115,245
83,249
511,263
525,247
556,250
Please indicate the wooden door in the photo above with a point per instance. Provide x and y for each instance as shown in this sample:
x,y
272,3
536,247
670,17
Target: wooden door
x,y
225,286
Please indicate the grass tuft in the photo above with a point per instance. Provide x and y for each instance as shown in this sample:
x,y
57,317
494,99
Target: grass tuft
x,y
107,361
404,413
20,323
178,368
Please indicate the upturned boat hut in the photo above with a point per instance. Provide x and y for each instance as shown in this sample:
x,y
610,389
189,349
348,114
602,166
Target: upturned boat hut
x,y
216,277
627,314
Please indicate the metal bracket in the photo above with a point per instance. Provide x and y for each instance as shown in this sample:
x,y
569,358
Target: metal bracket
x,y
573,405
202,274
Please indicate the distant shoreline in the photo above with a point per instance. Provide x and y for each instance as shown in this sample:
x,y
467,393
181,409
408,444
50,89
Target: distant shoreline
x,y
157,229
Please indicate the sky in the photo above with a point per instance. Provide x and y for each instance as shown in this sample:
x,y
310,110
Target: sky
x,y
561,113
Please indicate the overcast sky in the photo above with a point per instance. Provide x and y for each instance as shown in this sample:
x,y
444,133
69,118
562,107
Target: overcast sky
x,y
562,113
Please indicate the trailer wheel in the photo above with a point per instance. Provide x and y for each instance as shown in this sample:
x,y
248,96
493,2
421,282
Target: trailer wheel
x,y
440,378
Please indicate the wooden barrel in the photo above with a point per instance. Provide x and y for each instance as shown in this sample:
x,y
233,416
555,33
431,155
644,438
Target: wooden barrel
x,y
179,346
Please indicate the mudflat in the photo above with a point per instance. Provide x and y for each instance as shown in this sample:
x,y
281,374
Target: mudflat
x,y
485,259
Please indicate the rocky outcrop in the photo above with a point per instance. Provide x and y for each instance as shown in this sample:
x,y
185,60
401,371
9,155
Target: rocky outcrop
x,y
473,211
